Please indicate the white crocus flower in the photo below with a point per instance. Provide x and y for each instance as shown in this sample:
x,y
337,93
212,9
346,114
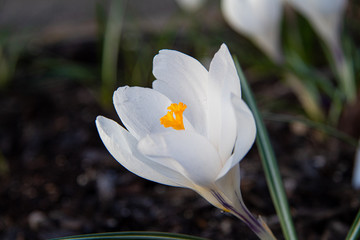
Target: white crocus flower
x,y
259,20
324,15
326,18
190,5
190,130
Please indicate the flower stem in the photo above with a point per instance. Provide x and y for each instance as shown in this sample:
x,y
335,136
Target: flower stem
x,y
258,226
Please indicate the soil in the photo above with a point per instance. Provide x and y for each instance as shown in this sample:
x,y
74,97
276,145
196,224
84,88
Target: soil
x,y
57,178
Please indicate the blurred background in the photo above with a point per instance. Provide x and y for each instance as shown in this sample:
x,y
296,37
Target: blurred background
x,y
60,62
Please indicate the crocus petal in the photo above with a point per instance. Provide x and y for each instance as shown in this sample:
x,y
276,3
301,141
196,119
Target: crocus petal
x,y
257,19
325,16
123,147
229,184
183,79
223,72
140,110
186,152
223,81
246,133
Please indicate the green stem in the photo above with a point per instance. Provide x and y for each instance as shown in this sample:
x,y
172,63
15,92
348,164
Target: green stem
x,y
269,162
258,226
354,232
111,49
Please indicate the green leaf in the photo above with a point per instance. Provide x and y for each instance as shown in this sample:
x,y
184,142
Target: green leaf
x,y
269,163
110,52
131,235
354,232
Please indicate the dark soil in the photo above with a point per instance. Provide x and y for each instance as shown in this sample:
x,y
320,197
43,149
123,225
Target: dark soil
x,y
57,178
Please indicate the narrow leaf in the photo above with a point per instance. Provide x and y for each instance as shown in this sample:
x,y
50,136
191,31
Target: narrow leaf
x,y
354,232
111,49
269,162
131,235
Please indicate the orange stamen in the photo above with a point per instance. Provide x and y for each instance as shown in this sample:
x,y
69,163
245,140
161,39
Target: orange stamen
x,y
176,122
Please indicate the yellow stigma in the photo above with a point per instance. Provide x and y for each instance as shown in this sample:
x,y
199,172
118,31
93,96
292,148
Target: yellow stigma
x,y
176,122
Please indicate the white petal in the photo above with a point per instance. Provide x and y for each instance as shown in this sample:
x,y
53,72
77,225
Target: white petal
x,y
229,184
246,133
186,152
325,15
123,147
228,187
259,20
223,81
223,72
182,79
140,110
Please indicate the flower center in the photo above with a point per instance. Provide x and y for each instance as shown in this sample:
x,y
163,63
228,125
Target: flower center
x,y
176,122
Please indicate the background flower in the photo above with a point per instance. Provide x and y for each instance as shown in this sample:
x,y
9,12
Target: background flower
x,y
259,20
326,17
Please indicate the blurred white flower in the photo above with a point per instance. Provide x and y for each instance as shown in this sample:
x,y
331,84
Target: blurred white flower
x,y
190,5
325,16
356,171
259,20
190,130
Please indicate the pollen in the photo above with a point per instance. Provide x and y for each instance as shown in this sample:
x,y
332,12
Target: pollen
x,y
174,117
